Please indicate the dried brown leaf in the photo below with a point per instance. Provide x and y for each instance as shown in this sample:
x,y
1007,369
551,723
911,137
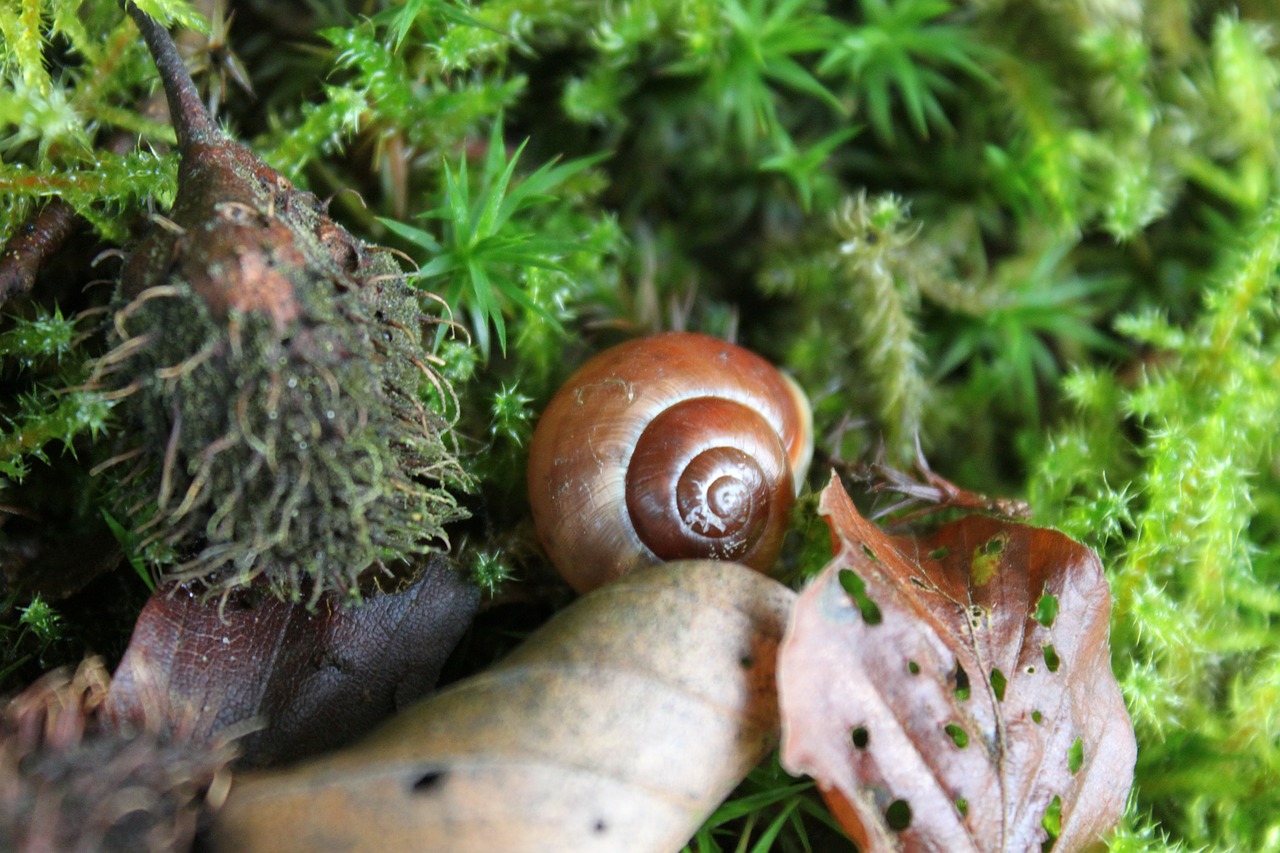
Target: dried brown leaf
x,y
947,692
306,681
618,726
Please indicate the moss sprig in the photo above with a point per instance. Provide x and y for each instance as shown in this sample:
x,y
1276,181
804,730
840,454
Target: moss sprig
x,y
54,406
1191,551
875,236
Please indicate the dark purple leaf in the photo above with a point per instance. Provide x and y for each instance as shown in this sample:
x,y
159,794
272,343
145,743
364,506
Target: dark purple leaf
x,y
309,681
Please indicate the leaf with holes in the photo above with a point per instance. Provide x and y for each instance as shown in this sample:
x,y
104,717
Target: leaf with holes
x,y
304,681
954,692
618,726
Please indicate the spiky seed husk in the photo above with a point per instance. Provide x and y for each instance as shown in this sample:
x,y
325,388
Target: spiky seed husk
x,y
271,368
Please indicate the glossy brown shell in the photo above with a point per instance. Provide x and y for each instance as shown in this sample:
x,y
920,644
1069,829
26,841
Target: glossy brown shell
x,y
608,456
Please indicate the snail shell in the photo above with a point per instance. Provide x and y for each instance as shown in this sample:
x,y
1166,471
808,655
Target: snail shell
x,y
675,446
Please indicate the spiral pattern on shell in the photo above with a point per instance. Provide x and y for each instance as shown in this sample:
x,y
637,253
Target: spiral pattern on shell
x,y
675,446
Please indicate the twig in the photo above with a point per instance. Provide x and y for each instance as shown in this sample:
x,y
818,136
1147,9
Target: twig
x,y
936,492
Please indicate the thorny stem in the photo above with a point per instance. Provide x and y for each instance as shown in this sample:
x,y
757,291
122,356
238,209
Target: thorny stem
x,y
191,121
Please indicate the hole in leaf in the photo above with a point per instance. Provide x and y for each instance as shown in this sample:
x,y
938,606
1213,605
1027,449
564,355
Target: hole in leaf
x,y
913,667
1037,717
746,661
1052,823
1075,756
986,559
871,555
962,806
428,781
940,553
998,684
856,587
1046,610
962,683
860,737
915,581
1031,670
898,815
957,734
1051,658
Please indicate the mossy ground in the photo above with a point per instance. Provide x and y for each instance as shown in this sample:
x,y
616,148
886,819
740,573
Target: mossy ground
x,y
1042,235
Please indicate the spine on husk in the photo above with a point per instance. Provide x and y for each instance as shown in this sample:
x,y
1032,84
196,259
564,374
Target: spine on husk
x,y
271,371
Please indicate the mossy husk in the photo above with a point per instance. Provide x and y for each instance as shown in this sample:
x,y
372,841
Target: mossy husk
x,y
271,369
